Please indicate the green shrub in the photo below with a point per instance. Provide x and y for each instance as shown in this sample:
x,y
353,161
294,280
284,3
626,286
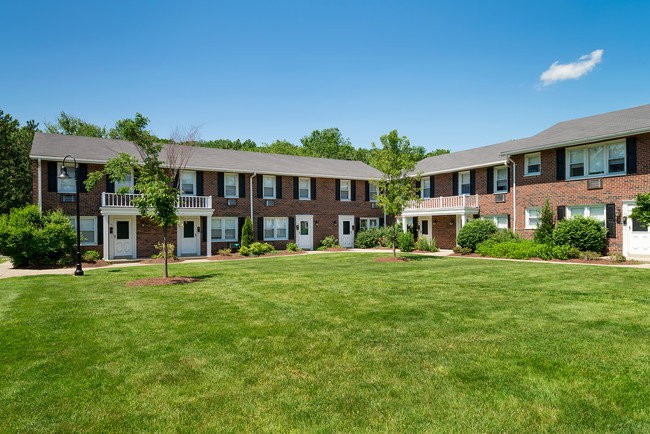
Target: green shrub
x,y
367,239
258,249
474,232
565,252
583,233
426,245
293,247
225,252
465,251
456,249
247,233
330,241
525,249
617,257
590,256
504,235
90,256
161,250
31,238
544,232
406,241
244,251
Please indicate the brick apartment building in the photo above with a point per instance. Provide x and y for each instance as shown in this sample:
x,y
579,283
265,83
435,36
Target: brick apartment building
x,y
289,198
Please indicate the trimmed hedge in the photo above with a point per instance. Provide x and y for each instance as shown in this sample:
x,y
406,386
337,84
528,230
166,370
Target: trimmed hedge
x,y
583,233
474,232
526,249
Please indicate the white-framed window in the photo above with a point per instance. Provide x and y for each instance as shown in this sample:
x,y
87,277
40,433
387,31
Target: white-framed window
x,y
231,182
223,229
373,191
368,223
88,229
304,188
268,187
345,189
500,179
128,182
66,185
501,220
600,159
595,211
276,228
533,164
425,191
188,183
533,216
464,180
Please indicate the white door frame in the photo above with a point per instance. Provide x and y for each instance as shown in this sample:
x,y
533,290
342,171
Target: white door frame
x,y
112,221
180,235
310,219
352,228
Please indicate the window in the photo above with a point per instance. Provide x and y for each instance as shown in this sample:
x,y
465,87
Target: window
x,y
128,183
426,188
501,221
66,185
369,223
533,216
597,160
304,188
345,190
224,229
464,181
373,192
595,211
533,164
276,228
231,181
88,230
269,187
188,183
500,179
637,226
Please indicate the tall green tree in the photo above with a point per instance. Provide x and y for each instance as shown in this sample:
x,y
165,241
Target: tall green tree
x,y
74,126
283,147
15,165
641,212
396,159
158,198
328,143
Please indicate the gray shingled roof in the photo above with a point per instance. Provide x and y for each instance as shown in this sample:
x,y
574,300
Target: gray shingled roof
x,y
584,130
94,150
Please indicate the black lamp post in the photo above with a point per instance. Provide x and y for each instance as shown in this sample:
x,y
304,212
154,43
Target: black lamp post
x,y
64,175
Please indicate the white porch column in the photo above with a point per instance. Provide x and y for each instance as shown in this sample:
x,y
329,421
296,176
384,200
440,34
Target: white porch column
x,y
404,226
463,219
106,239
208,235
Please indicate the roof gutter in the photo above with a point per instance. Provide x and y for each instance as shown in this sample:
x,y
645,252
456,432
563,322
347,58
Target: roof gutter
x,y
459,169
514,194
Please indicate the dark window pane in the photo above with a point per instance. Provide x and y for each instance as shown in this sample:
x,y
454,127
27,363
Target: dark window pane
x,y
122,230
425,227
577,170
638,226
617,165
346,227
188,229
304,228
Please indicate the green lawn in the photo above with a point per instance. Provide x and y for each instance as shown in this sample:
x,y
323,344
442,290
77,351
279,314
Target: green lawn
x,y
331,343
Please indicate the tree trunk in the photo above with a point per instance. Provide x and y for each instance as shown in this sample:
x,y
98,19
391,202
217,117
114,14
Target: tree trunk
x,y
165,251
394,242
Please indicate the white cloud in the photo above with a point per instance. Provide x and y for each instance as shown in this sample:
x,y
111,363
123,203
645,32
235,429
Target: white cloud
x,y
558,72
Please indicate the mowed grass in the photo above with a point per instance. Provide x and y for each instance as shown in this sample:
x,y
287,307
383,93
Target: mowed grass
x,y
329,343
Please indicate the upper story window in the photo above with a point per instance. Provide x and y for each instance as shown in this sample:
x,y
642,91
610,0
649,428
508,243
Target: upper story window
x,y
345,190
464,181
188,183
276,228
268,187
231,181
224,229
88,230
596,160
304,188
373,192
500,179
533,164
533,216
128,183
425,191
68,185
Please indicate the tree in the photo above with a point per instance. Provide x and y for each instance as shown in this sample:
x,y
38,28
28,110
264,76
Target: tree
x,y
15,166
328,143
544,232
396,159
247,233
641,212
281,147
159,195
74,126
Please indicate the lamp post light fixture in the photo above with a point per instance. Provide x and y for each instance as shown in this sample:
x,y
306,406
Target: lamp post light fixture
x,y
64,175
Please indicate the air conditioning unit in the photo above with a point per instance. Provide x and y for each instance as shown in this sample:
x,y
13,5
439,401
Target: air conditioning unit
x,y
594,184
232,202
500,198
270,203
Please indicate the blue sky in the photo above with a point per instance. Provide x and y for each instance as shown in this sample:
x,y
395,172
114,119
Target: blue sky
x,y
445,74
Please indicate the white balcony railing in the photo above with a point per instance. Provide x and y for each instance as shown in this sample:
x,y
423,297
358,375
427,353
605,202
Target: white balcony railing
x,y
447,202
114,200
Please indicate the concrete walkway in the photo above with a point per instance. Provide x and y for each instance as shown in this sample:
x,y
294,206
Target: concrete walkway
x,y
7,270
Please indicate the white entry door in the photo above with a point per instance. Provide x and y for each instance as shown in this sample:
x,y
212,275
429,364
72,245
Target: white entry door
x,y
304,232
636,236
346,231
122,237
425,227
189,236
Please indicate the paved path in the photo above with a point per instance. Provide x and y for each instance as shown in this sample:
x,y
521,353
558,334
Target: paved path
x,y
6,269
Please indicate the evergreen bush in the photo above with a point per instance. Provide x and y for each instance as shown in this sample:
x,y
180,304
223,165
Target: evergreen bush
x,y
405,241
474,232
583,233
247,233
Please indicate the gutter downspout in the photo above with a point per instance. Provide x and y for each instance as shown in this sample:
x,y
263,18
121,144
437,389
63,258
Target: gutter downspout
x,y
40,187
251,195
514,194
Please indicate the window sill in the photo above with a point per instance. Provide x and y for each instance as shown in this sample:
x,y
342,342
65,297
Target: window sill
x,y
304,198
276,239
526,175
502,192
578,178
269,198
223,241
232,197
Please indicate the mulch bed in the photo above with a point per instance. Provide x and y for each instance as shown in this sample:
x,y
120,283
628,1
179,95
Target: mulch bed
x,y
570,261
391,259
151,281
161,261
336,249
238,256
84,265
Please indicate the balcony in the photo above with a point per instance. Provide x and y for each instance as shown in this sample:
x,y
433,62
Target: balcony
x,y
113,200
442,206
